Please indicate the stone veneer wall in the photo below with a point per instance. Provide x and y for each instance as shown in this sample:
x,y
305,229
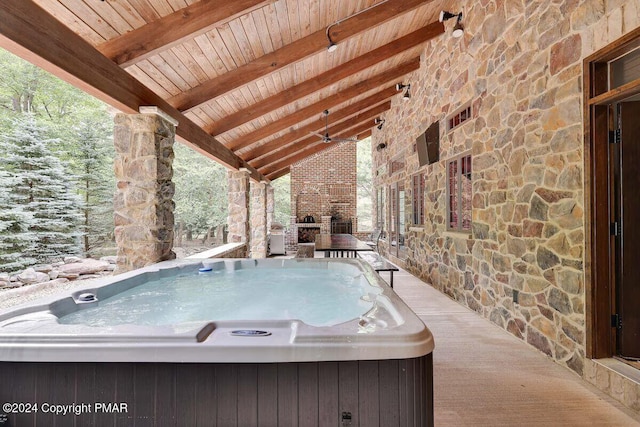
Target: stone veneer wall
x,y
239,200
143,203
258,220
520,65
271,206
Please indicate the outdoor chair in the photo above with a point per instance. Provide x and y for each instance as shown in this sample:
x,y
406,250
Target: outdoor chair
x,y
373,239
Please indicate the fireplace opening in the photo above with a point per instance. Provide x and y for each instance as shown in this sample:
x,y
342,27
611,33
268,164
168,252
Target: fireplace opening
x,y
307,234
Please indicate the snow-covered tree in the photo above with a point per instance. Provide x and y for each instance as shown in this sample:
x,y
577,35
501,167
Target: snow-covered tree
x,y
43,188
15,237
92,157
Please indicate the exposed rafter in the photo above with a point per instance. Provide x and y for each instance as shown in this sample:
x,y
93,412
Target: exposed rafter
x,y
326,79
30,32
354,120
316,148
364,123
365,134
175,28
329,102
291,53
279,174
336,116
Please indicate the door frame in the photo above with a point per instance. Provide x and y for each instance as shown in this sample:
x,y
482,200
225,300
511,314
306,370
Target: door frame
x,y
599,288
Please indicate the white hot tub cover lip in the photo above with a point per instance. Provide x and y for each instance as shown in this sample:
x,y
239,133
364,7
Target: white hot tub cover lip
x,y
390,330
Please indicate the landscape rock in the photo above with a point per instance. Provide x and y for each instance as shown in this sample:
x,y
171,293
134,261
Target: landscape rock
x,y
29,276
69,276
44,268
85,266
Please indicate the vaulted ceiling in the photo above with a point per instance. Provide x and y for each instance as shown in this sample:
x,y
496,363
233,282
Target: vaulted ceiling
x,y
247,80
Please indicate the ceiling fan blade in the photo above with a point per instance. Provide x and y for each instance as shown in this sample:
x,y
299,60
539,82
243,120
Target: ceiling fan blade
x,y
344,139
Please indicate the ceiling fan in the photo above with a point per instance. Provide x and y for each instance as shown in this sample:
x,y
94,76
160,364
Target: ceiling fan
x,y
326,138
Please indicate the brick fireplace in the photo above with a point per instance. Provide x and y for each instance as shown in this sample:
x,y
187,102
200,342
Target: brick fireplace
x,y
323,186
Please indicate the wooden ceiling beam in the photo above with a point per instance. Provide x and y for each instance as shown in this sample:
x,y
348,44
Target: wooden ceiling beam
x,y
325,104
335,116
173,29
301,155
326,79
291,53
279,174
335,129
365,134
31,33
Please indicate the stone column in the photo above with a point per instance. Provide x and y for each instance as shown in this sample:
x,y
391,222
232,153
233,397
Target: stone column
x,y
271,203
143,203
238,218
258,220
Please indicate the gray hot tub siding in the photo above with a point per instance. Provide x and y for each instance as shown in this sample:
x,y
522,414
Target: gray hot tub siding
x,y
381,393
241,384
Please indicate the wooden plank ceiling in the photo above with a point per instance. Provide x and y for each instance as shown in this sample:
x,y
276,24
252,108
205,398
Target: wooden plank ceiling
x,y
247,79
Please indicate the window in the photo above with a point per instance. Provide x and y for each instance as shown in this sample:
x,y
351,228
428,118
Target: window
x,y
380,210
397,219
417,204
459,117
624,69
459,193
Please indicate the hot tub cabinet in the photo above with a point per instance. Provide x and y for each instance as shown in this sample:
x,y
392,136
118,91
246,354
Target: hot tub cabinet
x,y
375,370
350,393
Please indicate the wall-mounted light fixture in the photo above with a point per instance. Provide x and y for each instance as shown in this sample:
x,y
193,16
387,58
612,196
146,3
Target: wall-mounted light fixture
x,y
332,45
381,146
458,29
379,122
407,95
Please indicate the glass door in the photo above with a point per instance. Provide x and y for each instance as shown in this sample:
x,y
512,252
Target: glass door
x,y
397,220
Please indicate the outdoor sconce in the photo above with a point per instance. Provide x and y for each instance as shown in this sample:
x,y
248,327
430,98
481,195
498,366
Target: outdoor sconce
x,y
381,146
400,86
379,122
458,29
332,46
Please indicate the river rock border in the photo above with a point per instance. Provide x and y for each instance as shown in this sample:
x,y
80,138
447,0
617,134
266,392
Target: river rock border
x,y
71,268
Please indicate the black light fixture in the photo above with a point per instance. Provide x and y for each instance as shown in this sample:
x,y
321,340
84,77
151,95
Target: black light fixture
x,y
400,86
381,146
379,122
458,29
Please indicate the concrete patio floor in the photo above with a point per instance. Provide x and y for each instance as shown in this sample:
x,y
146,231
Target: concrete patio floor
x,y
486,377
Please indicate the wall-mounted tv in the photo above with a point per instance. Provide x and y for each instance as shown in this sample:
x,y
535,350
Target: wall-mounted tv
x,y
428,145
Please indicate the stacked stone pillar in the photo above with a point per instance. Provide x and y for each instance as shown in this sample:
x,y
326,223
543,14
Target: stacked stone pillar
x,y
271,203
239,196
143,203
258,220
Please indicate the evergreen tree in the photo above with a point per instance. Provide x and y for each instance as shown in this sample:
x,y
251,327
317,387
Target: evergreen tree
x,y
282,200
201,190
93,159
43,189
15,238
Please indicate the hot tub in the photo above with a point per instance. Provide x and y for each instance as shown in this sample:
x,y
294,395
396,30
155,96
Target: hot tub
x,y
223,342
